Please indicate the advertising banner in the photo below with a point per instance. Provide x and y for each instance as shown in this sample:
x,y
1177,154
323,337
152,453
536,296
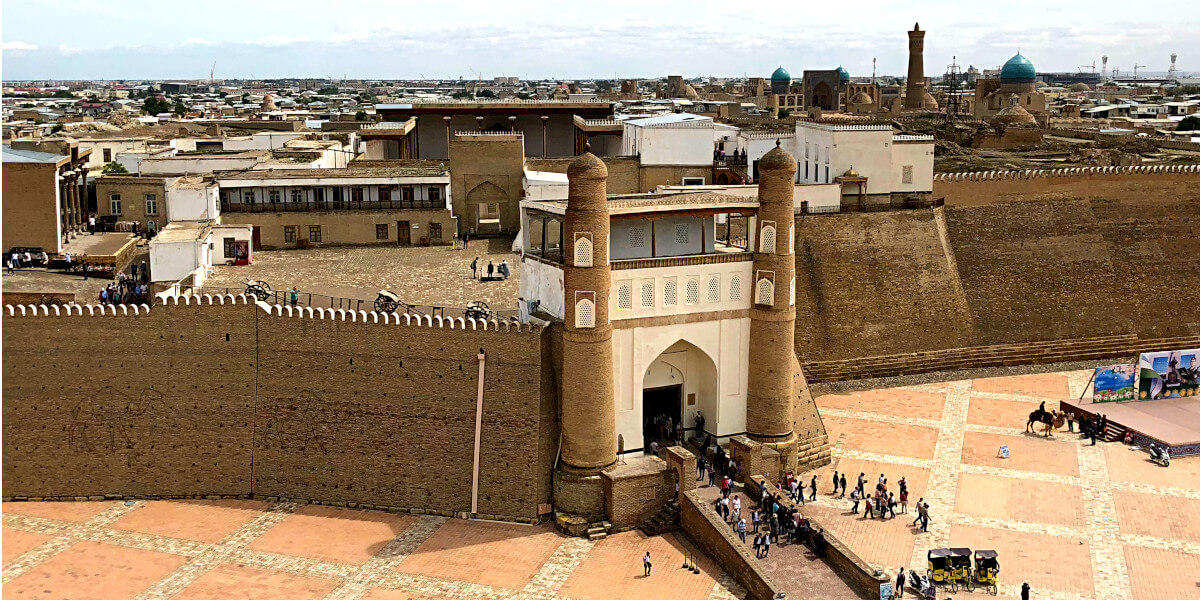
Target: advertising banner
x,y
1113,383
1171,374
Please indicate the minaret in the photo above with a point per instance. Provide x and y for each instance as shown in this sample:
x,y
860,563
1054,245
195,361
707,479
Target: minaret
x,y
914,94
589,438
770,392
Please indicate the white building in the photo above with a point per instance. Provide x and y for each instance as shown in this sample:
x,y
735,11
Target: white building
x,y
189,249
677,139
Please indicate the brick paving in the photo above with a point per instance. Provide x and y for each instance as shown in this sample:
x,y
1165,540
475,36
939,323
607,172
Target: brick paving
x,y
1076,521
431,276
235,549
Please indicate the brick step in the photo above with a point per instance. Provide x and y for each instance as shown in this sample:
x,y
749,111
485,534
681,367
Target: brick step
x,y
595,537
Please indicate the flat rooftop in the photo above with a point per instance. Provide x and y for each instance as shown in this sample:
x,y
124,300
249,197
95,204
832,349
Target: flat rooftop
x,y
656,203
103,244
432,169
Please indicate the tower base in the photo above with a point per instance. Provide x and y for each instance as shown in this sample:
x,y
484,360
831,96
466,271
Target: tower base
x,y
579,493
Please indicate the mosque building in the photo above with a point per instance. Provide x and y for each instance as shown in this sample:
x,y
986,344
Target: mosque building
x,y
1013,98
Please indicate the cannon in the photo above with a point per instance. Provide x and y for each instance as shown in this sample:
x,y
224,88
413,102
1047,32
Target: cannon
x,y
261,290
386,302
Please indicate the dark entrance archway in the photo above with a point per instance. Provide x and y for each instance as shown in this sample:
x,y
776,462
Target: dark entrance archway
x,y
662,408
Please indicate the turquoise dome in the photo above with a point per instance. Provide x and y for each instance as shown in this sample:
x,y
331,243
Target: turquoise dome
x,y
1018,69
781,74
843,74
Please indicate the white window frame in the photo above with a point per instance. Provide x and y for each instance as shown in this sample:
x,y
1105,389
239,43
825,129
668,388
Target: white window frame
x,y
581,298
114,204
151,204
583,241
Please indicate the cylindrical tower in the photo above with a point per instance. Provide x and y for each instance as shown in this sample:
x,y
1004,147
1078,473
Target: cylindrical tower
x,y
914,93
770,393
589,438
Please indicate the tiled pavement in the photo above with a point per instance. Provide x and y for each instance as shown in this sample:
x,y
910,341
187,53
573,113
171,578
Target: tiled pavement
x,y
1075,521
221,550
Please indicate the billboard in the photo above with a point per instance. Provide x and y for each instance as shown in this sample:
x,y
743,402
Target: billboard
x,y
1113,383
1171,374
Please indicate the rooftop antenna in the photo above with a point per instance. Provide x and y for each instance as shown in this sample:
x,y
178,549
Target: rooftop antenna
x,y
953,90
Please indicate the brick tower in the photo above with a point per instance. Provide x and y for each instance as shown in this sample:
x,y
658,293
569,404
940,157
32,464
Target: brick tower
x,y
588,413
914,93
770,389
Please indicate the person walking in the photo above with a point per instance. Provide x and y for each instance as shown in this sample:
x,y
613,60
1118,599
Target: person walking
x,y
854,497
712,474
862,481
1025,591
646,566
737,510
757,546
891,505
741,529
835,483
919,501
797,491
726,486
466,240
868,511
903,500
755,520
925,518
899,591
92,224
701,465
812,497
843,482
766,546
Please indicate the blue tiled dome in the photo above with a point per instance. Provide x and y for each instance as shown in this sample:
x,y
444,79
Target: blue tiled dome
x,y
1018,69
843,74
781,74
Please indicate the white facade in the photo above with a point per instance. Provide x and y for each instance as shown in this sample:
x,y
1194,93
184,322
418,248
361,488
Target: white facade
x,y
891,163
188,200
544,185
674,139
179,250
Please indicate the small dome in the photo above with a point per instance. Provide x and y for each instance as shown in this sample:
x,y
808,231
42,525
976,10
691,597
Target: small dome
x,y
777,159
850,173
587,165
929,102
781,74
843,74
1081,87
1018,69
861,98
1015,115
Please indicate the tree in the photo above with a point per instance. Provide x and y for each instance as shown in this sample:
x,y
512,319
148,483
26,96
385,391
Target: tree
x,y
487,94
155,105
62,94
328,90
114,168
360,115
784,113
180,108
1191,123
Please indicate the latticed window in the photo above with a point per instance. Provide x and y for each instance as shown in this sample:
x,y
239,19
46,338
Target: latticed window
x,y
670,293
792,239
583,252
765,293
792,298
768,238
714,289
693,291
683,233
624,297
585,314
648,294
735,288
637,237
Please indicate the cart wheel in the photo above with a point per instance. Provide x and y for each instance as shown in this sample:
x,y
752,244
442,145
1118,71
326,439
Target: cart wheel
x,y
995,588
953,586
970,585
385,306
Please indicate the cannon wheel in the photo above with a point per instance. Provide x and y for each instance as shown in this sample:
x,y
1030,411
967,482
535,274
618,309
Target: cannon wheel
x,y
385,305
477,310
259,291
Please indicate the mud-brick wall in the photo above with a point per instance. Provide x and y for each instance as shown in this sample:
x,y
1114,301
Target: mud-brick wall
x,y
385,414
155,404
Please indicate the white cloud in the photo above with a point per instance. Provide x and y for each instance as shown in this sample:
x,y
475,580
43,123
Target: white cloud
x,y
18,46
278,40
68,50
196,42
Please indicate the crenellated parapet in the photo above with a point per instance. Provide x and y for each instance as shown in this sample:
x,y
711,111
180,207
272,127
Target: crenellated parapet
x,y
77,310
1069,172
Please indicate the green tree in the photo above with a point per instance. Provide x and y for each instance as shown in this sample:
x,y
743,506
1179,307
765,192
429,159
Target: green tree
x,y
487,94
62,94
114,168
153,105
328,90
360,115
784,113
1191,123
180,108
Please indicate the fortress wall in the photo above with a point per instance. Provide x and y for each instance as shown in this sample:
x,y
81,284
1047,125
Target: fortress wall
x,y
157,403
329,406
989,187
874,283
1019,260
385,414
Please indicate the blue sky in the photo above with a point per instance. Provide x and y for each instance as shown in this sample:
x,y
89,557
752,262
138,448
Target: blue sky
x,y
111,39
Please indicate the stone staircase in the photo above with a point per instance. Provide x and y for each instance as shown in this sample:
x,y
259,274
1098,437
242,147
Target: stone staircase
x,y
954,359
598,531
663,521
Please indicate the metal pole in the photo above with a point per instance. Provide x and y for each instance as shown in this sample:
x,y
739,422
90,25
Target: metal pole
x,y
478,431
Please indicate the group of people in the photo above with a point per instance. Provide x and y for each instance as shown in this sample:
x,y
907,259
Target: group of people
x,y
477,272
26,260
717,465
127,289
719,155
772,521
882,502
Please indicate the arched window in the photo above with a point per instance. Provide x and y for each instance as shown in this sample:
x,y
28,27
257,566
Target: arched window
x,y
714,289
767,241
765,293
792,239
625,297
648,294
693,291
583,251
735,288
670,292
585,314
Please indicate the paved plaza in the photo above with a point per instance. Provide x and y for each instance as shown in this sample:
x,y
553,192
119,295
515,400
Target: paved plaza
x,y
1075,521
242,549
432,276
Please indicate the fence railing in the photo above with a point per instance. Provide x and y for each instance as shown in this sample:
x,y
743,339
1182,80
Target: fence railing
x,y
284,297
275,207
